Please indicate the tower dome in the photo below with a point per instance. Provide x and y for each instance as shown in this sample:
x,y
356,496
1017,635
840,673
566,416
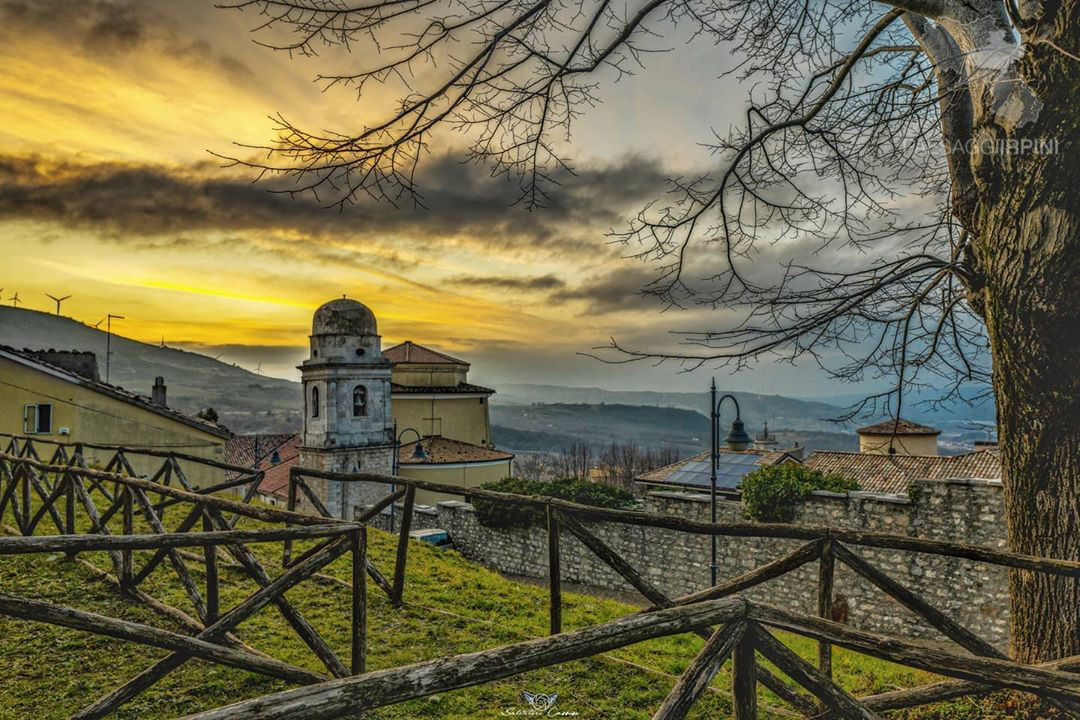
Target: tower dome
x,y
344,317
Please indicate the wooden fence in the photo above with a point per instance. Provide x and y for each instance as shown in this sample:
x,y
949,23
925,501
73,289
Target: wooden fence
x,y
733,627
62,491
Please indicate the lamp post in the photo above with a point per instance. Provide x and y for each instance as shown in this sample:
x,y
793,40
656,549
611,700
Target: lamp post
x,y
418,454
736,439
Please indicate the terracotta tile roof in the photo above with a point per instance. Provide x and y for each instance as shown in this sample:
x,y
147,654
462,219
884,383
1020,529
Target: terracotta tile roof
x,y
904,427
275,475
27,357
276,478
442,451
424,389
241,449
894,473
410,352
767,457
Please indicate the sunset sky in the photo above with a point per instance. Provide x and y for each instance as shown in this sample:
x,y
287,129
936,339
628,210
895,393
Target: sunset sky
x,y
109,193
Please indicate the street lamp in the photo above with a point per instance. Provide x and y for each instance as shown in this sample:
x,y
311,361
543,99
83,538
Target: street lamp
x,y
737,439
418,454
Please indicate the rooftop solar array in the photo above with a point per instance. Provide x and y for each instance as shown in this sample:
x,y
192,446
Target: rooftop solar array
x,y
730,469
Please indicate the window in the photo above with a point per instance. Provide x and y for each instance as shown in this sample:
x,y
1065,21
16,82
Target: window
x,y
37,418
315,401
359,401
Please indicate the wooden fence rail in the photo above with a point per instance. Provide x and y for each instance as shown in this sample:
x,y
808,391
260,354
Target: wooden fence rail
x,y
825,545
733,627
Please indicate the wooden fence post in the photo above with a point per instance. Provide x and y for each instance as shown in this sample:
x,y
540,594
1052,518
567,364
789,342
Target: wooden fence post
x,y
213,605
286,556
126,556
403,546
359,600
26,501
826,570
69,503
554,574
744,679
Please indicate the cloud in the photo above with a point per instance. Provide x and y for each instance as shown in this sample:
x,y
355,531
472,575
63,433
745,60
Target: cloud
x,y
464,206
511,282
113,29
612,291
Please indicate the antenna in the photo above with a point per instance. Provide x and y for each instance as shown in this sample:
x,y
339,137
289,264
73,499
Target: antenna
x,y
108,342
15,299
58,301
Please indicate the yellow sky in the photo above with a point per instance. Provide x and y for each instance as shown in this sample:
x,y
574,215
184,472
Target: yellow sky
x,y
142,106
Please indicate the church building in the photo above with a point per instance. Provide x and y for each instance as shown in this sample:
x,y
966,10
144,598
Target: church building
x,y
348,426
407,411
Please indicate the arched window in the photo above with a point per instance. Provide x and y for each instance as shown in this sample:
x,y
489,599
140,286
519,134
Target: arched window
x,y
359,401
315,401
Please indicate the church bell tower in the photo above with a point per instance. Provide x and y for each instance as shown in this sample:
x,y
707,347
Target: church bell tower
x,y
348,426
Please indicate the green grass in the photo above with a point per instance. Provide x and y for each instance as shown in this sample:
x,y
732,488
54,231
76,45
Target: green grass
x,y
452,606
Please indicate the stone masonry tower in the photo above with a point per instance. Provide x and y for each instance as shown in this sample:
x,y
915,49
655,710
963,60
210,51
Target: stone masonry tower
x,y
347,422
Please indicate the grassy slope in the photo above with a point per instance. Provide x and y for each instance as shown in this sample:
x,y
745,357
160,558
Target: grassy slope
x,y
49,672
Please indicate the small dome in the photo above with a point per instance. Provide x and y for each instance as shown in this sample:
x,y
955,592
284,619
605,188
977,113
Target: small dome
x,y
344,317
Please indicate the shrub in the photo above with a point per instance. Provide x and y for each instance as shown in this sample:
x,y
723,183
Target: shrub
x,y
504,515
771,494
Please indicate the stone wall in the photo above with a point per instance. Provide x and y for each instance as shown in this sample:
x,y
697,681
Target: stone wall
x,y
969,511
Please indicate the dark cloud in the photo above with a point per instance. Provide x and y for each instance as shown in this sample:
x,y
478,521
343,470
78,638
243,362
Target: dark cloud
x,y
612,291
464,205
511,282
112,29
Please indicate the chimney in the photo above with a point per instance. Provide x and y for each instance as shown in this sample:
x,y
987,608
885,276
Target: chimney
x,y
157,393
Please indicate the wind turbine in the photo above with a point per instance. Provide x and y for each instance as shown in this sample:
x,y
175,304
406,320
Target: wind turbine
x,y
258,369
97,325
15,299
58,301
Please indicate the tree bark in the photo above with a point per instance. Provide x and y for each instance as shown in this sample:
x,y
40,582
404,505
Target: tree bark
x,y
1028,254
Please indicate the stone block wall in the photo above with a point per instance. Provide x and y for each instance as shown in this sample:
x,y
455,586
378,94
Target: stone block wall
x,y
967,511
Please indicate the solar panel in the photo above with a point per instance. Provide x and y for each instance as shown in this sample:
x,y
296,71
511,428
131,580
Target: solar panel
x,y
730,470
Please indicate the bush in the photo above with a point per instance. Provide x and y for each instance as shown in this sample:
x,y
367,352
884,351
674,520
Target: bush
x,y
504,515
771,494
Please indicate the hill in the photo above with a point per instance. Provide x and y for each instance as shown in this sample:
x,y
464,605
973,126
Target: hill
x,y
245,401
551,427
756,409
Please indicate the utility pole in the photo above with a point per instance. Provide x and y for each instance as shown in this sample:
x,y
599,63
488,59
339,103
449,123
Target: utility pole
x,y
108,342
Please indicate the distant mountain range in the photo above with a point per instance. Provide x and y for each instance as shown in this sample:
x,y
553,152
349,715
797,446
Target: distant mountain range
x,y
756,409
524,416
551,427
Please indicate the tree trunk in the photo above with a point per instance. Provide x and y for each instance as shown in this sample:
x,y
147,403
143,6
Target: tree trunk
x,y
1028,250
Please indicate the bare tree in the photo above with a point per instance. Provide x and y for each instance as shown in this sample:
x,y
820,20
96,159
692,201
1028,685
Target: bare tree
x,y
620,463
932,135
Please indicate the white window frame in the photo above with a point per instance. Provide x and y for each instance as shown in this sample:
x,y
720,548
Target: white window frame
x,y
34,427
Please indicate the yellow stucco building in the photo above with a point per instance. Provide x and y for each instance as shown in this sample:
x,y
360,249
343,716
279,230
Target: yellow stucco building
x,y
56,396
898,438
430,392
431,397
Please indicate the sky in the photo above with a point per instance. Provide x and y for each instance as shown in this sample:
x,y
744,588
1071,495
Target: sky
x,y
110,192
